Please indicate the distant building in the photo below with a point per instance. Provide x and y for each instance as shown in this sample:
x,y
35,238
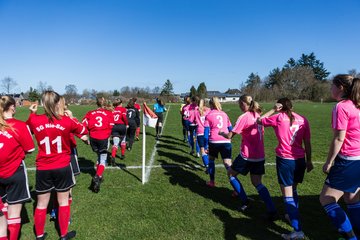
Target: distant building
x,y
223,97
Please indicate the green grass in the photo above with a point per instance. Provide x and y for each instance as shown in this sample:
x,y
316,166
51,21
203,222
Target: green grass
x,y
175,203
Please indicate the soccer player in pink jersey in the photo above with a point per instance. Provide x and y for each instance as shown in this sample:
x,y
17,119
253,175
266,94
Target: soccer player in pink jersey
x,y
119,130
99,122
292,131
53,169
185,116
184,128
343,161
198,118
252,155
15,142
192,126
217,121
3,223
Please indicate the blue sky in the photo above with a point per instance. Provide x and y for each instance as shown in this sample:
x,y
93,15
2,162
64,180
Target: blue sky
x,y
108,44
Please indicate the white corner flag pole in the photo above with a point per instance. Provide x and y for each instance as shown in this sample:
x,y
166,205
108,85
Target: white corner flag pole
x,y
143,153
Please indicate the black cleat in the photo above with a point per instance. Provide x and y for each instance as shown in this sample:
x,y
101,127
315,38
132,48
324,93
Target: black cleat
x,y
96,181
122,157
69,235
42,237
112,162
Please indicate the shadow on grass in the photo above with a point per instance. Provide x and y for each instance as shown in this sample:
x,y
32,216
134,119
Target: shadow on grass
x,y
252,223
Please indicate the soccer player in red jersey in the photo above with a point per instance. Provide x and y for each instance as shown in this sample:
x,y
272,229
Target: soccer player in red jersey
x,y
99,122
138,107
119,130
15,142
53,170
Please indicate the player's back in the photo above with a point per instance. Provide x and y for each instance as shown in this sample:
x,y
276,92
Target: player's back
x,y
99,123
217,121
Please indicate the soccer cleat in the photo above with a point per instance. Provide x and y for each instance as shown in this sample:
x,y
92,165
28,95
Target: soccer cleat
x,y
69,235
197,155
137,139
129,148
293,235
245,206
42,237
96,183
210,183
122,157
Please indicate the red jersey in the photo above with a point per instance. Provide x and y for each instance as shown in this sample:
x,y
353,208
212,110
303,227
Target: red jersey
x,y
14,143
53,138
137,106
120,115
73,142
99,122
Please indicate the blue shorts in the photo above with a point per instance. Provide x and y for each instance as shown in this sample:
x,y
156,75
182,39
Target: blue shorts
x,y
223,148
187,125
290,171
344,175
202,141
243,166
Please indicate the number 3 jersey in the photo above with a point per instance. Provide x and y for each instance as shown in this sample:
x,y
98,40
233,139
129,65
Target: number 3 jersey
x,y
99,122
290,138
53,138
217,121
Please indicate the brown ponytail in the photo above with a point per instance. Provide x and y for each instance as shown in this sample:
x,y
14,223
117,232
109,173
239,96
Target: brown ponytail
x,y
287,108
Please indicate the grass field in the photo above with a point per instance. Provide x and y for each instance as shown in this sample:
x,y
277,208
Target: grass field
x,y
176,203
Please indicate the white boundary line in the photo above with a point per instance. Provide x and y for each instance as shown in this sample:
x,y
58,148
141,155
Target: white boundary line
x,y
152,157
164,166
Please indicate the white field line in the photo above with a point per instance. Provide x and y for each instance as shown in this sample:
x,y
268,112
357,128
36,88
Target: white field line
x,y
152,157
165,166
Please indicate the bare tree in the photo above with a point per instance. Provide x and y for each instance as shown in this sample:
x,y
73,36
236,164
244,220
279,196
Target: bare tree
x,y
8,84
70,93
43,86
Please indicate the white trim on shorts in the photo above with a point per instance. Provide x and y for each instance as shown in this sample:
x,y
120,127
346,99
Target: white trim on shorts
x,y
350,158
27,187
252,159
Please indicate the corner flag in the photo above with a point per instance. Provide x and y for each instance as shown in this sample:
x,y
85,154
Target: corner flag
x,y
149,119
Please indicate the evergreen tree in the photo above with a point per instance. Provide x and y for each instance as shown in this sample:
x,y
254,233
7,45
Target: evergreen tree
x,y
193,91
33,95
167,89
201,90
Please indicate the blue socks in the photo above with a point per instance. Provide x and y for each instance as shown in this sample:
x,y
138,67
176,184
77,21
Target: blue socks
x,y
338,218
293,213
212,170
205,159
234,181
265,196
354,215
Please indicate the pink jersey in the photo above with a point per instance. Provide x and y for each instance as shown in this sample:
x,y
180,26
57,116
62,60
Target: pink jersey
x,y
199,120
217,121
53,138
252,137
99,122
185,112
120,115
345,116
15,141
193,109
290,138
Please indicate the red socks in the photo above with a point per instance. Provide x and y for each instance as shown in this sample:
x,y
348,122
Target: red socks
x,y
137,133
3,238
123,147
14,226
113,151
39,221
64,217
100,169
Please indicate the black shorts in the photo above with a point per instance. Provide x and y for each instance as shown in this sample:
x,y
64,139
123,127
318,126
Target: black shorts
x,y
60,179
16,187
119,130
99,146
243,166
223,148
74,162
160,117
